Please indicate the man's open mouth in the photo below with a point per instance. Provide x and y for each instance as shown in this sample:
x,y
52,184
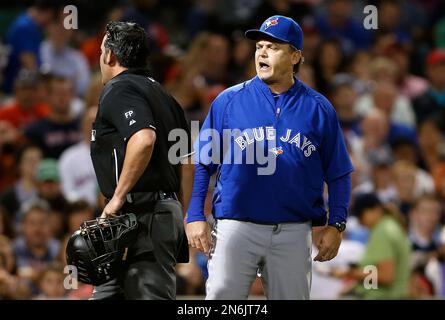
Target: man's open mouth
x,y
264,66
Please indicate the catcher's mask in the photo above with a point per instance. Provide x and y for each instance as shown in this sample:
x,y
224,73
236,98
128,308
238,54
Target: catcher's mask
x,y
100,247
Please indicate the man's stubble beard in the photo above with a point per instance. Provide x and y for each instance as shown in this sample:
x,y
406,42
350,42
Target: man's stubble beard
x,y
269,80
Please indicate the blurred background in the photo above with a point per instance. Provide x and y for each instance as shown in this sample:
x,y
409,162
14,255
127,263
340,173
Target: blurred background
x,y
387,86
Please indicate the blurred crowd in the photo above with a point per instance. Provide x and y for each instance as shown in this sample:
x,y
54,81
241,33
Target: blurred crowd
x,y
387,86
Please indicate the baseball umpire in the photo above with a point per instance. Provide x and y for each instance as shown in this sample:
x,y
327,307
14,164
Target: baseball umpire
x,y
263,222
129,149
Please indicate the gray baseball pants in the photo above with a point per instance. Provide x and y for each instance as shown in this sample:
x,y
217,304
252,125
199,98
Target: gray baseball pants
x,y
281,253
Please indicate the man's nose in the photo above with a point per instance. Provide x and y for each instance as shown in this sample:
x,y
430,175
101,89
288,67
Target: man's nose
x,y
263,53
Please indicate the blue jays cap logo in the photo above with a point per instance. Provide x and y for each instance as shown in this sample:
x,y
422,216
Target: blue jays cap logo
x,y
270,22
276,151
285,30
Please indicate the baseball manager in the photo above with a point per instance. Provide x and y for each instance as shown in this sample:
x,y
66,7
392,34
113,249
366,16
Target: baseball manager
x,y
263,222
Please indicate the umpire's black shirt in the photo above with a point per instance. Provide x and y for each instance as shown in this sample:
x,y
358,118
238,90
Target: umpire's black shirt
x,y
129,102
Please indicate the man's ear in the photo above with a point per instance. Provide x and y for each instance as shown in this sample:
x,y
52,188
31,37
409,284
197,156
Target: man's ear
x,y
112,60
109,58
297,55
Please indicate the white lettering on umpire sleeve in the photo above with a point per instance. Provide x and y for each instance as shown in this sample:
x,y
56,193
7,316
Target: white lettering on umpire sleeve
x,y
128,114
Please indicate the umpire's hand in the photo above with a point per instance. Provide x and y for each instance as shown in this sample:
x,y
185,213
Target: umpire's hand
x,y
328,242
198,234
112,208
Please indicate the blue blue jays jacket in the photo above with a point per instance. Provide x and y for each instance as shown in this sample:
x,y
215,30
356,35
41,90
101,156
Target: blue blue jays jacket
x,y
298,128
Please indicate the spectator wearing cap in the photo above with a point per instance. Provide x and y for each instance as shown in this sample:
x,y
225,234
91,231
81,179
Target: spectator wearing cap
x,y
388,250
25,106
25,35
432,102
49,190
61,129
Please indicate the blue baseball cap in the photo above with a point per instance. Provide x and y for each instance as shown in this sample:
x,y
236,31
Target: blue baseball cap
x,y
280,28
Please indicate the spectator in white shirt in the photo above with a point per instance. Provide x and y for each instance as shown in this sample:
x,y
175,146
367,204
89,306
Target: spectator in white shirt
x,y
60,59
76,168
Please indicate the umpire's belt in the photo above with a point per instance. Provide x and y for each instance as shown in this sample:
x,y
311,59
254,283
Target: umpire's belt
x,y
140,202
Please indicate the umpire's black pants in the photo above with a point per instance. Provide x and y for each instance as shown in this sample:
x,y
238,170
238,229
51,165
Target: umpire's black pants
x,y
150,272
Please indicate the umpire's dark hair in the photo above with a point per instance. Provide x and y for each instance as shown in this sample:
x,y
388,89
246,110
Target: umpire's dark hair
x,y
128,42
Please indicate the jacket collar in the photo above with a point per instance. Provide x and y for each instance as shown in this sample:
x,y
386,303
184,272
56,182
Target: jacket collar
x,y
264,88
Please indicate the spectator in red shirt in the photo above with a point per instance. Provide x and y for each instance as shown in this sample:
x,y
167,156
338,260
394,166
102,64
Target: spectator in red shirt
x,y
61,129
25,106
